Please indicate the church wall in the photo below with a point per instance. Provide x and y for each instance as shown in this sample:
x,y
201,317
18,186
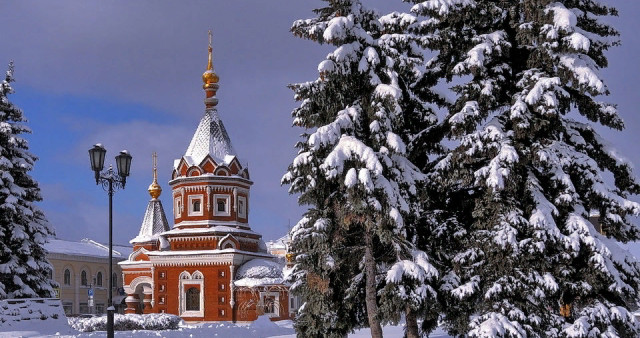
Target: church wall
x,y
215,291
129,275
208,207
148,246
249,305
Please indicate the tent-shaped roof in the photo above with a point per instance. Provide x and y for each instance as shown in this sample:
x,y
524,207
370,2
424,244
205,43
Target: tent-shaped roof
x,y
210,138
153,224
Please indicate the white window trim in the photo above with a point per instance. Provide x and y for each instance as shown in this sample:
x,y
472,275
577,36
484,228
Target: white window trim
x,y
187,279
177,206
227,199
242,213
196,198
276,306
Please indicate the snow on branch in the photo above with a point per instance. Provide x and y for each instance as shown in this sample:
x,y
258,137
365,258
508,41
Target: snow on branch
x,y
349,147
442,7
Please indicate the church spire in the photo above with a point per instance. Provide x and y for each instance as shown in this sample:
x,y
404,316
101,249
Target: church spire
x,y
154,189
210,79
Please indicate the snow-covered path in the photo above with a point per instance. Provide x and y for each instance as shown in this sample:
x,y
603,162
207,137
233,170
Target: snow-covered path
x,y
258,329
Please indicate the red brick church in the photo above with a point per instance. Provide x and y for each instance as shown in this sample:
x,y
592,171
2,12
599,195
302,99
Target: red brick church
x,y
211,266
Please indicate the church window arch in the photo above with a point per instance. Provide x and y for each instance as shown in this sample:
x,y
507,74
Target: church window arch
x,y
193,172
221,205
195,205
191,294
83,278
242,207
67,277
193,299
222,171
99,278
177,206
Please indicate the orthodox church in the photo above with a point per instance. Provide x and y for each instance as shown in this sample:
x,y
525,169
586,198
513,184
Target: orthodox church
x,y
210,266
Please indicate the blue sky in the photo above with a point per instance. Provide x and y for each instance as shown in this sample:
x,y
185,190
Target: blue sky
x,y
128,75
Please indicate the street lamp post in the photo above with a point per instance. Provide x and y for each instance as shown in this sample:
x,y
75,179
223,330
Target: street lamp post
x,y
110,181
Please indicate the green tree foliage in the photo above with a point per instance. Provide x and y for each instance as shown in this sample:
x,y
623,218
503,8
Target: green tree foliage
x,y
23,227
358,263
526,169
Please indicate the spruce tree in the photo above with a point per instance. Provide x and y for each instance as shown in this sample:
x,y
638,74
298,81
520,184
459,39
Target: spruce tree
x,y
23,227
528,167
357,260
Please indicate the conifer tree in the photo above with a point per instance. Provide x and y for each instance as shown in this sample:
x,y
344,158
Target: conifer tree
x,y
23,227
527,169
356,245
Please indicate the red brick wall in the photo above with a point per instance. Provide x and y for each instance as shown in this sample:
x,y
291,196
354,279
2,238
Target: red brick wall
x,y
215,287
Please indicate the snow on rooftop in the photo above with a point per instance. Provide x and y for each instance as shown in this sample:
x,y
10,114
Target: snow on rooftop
x,y
187,253
153,224
213,229
280,243
210,138
85,247
259,271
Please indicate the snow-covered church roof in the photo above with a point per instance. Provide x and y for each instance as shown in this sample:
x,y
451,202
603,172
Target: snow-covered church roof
x,y
155,221
210,138
258,272
153,224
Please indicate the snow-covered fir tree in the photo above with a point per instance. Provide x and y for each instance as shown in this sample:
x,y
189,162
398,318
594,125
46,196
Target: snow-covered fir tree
x,y
357,260
23,227
527,169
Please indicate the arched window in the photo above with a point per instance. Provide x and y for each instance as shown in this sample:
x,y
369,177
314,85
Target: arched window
x,y
114,278
83,278
67,277
222,206
193,299
191,296
196,206
99,279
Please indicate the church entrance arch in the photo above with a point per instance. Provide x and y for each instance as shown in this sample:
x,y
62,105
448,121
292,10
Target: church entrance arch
x,y
139,295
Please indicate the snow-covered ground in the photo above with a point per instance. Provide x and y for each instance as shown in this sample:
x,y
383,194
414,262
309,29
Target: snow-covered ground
x,y
258,329
45,318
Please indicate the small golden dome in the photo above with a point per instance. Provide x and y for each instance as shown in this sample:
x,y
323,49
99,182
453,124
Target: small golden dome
x,y
290,257
154,188
209,77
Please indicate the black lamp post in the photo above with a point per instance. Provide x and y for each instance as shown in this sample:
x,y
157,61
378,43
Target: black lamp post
x,y
110,181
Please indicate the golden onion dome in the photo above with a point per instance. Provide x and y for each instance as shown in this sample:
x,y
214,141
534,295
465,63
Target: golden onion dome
x,y
290,257
154,188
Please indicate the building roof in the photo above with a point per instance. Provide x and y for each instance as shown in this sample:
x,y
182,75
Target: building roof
x,y
86,247
213,230
210,138
153,224
258,272
280,243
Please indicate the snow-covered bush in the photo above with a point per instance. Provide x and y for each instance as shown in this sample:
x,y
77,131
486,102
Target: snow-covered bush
x,y
129,322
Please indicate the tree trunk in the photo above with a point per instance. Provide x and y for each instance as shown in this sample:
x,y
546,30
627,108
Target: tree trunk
x,y
370,287
412,324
